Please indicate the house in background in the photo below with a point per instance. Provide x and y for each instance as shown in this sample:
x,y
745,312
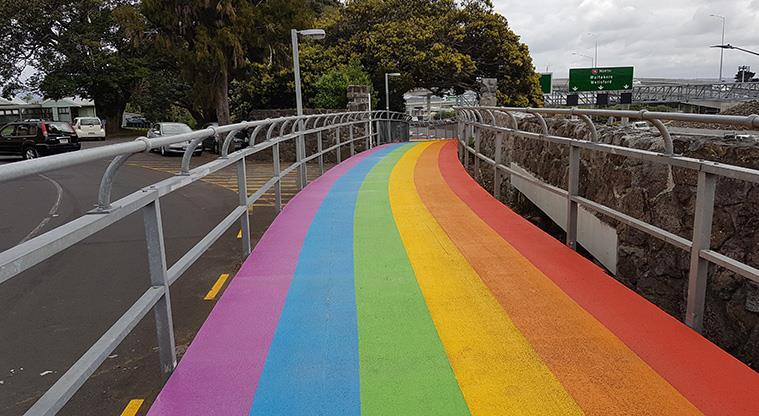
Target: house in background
x,y
65,109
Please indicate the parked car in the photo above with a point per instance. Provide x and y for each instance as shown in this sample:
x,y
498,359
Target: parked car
x,y
172,129
641,125
215,143
89,128
31,139
139,122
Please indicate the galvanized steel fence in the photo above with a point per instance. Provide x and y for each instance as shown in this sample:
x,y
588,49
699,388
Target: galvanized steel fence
x,y
474,120
349,128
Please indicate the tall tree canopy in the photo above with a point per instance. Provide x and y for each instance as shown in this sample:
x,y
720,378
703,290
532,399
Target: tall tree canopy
x,y
80,47
213,41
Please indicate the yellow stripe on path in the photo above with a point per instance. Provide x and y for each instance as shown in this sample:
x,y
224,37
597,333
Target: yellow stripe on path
x,y
132,407
239,235
497,370
211,295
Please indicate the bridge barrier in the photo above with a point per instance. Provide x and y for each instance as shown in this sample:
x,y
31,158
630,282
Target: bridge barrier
x,y
472,121
157,296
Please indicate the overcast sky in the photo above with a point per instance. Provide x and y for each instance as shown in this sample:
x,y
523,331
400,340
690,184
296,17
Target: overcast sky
x,y
661,38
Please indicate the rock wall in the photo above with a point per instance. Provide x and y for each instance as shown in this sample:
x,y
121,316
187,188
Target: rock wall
x,y
664,197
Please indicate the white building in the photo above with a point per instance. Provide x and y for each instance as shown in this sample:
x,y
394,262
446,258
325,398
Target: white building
x,y
65,109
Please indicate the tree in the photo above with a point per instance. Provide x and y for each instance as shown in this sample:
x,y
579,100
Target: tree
x,y
439,45
745,75
331,88
213,41
81,48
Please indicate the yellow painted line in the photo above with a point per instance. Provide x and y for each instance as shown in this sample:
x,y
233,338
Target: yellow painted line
x,y
239,235
132,407
497,369
211,295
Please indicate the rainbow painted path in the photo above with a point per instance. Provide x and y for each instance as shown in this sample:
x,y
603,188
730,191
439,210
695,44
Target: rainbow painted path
x,y
395,285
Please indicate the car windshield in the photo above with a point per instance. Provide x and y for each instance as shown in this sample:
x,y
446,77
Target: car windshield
x,y
58,127
89,122
175,129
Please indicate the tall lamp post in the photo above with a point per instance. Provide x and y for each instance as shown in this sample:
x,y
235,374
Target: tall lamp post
x,y
722,51
301,144
595,56
592,61
387,99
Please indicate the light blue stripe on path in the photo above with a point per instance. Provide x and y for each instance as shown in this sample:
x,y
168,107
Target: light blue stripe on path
x,y
312,366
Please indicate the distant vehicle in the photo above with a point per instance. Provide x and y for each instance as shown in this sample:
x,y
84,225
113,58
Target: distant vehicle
x,y
737,136
138,122
31,139
89,128
215,143
641,125
172,129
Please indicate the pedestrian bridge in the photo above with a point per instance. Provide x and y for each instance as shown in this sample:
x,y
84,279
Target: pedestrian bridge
x,y
396,285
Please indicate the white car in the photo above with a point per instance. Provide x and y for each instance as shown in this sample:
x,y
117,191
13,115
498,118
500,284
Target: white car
x,y
641,125
172,129
89,128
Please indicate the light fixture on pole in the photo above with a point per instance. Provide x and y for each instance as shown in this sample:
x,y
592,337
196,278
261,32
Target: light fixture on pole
x,y
300,144
722,51
387,98
592,61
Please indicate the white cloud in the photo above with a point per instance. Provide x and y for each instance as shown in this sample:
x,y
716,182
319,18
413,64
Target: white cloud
x,y
661,38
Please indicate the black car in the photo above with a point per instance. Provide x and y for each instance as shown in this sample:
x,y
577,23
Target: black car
x,y
31,139
214,143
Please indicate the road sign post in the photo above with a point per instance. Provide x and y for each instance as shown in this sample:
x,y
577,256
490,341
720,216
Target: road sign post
x,y
601,79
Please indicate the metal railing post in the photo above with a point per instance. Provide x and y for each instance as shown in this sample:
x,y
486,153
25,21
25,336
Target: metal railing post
x,y
573,187
497,178
477,134
320,149
299,152
339,153
242,191
702,235
467,135
158,277
278,184
350,137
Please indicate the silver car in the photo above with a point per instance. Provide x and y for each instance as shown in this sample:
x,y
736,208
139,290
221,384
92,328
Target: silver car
x,y
172,129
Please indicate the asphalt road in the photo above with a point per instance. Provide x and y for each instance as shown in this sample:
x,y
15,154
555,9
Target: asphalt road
x,y
52,313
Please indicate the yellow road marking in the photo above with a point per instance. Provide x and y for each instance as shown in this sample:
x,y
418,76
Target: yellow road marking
x,y
239,235
211,295
132,407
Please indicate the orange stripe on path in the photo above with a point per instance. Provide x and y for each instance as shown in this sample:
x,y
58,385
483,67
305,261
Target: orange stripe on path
x,y
709,378
597,369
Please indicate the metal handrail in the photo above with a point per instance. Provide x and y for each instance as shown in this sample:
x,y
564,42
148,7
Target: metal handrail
x,y
471,123
25,255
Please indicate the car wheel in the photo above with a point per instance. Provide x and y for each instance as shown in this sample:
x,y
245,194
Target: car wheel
x,y
102,139
198,152
30,153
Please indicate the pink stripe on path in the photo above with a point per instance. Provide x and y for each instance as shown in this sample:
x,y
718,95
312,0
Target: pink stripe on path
x,y
219,373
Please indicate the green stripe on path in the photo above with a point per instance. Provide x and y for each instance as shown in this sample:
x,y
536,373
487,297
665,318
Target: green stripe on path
x,y
404,369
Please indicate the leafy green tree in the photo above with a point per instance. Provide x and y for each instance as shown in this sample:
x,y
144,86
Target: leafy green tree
x,y
213,41
331,87
80,47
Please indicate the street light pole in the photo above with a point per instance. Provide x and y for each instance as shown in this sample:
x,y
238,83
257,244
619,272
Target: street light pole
x,y
300,145
592,61
387,99
722,51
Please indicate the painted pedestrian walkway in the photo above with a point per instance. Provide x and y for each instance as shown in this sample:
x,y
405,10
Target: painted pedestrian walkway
x,y
395,285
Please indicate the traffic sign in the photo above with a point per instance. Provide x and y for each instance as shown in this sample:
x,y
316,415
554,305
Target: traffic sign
x,y
601,79
546,82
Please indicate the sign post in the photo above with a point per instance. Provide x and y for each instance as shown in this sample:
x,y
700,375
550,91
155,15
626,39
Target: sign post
x,y
546,83
601,79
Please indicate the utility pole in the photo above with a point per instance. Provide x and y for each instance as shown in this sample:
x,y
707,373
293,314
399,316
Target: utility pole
x,y
722,50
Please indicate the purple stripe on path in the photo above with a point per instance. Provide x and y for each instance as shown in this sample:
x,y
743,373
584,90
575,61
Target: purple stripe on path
x,y
219,373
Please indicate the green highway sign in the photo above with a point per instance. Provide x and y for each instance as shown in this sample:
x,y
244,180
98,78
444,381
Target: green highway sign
x,y
546,82
600,79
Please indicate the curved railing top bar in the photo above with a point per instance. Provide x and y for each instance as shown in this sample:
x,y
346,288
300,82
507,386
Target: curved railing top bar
x,y
471,124
25,255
